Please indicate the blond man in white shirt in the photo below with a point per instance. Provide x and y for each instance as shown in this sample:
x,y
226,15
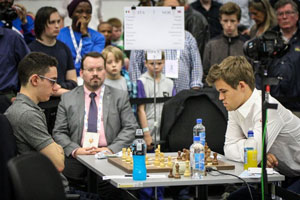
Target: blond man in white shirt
x,y
234,80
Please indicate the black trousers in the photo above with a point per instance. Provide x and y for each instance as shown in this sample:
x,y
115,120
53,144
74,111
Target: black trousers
x,y
75,171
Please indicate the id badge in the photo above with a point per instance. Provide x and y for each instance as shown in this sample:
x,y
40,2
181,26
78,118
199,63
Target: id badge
x,y
91,139
171,68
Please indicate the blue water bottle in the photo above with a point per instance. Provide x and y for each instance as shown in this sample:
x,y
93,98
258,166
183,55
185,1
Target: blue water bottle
x,y
139,149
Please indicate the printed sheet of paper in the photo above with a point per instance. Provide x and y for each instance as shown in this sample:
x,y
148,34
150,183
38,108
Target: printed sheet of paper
x,y
153,28
90,140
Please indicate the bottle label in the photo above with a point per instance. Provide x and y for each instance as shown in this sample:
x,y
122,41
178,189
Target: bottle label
x,y
202,134
246,149
199,161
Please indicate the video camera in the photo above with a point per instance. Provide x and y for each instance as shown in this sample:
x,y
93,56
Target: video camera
x,y
269,45
8,14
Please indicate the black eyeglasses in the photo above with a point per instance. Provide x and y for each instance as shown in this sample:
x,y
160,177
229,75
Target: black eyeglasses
x,y
52,81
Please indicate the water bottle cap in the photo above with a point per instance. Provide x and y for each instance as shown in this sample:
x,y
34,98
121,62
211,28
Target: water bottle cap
x,y
139,132
197,138
199,121
250,133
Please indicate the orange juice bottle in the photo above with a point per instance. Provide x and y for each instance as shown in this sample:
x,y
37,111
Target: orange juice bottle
x,y
250,151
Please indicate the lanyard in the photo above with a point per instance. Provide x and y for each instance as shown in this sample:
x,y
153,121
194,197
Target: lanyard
x,y
99,111
77,48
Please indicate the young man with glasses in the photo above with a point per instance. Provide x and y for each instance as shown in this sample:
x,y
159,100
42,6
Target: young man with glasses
x,y
37,74
286,68
93,118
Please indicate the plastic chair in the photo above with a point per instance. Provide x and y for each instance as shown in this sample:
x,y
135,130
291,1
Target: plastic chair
x,y
34,177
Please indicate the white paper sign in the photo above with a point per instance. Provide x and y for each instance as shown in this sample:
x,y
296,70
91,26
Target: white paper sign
x,y
155,28
171,68
90,140
154,55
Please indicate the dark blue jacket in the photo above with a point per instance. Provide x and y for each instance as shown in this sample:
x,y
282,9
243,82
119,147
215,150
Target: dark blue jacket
x,y
287,70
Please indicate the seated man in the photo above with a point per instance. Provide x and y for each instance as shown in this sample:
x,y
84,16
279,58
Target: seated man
x,y
37,74
106,117
234,79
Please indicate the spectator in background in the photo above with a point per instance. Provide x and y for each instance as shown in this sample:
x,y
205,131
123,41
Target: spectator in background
x,y
47,28
286,68
263,15
210,9
12,49
146,3
230,42
106,30
23,24
97,13
246,22
189,64
117,34
79,37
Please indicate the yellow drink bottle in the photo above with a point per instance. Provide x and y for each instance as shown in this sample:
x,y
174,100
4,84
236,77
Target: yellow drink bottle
x,y
250,152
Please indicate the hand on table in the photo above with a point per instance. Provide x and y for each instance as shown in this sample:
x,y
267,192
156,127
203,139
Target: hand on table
x,y
271,160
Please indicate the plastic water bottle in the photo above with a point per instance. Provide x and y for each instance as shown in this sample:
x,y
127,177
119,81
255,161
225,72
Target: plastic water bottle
x,y
197,159
139,149
250,151
199,130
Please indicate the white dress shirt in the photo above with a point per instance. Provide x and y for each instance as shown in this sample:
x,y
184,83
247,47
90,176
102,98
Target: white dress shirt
x,y
283,133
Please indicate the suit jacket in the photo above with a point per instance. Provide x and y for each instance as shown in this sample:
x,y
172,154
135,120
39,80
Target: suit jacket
x,y
118,119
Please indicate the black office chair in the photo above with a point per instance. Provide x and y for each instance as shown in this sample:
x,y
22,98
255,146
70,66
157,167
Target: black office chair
x,y
35,177
8,150
179,117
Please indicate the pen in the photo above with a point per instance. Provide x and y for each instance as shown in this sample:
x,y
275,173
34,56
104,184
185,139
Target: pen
x,y
130,175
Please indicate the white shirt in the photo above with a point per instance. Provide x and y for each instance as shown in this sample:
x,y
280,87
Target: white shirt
x,y
283,133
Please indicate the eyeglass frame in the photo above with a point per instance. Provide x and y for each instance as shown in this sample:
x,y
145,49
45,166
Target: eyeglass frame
x,y
97,69
286,13
52,81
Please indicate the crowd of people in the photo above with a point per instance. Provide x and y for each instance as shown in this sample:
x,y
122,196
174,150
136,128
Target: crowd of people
x,y
92,75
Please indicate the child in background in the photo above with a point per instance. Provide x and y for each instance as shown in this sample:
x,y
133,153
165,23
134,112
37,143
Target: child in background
x,y
117,36
105,29
145,84
116,74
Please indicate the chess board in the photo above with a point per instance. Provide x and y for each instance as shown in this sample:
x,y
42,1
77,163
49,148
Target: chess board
x,y
151,168
127,167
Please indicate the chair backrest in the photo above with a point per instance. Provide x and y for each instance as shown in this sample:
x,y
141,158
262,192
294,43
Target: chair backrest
x,y
8,150
34,177
214,117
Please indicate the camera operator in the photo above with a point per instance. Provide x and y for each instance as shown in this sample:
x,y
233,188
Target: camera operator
x,y
12,49
286,68
17,15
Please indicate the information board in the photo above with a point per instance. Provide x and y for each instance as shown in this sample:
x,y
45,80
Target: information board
x,y
153,28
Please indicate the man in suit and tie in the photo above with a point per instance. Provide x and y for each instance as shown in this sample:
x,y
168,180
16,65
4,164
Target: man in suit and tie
x,y
92,118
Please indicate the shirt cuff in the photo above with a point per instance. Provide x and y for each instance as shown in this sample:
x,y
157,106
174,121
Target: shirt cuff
x,y
73,152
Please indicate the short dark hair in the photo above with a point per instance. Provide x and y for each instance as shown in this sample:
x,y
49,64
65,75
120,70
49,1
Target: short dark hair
x,y
282,3
92,54
41,19
230,8
34,63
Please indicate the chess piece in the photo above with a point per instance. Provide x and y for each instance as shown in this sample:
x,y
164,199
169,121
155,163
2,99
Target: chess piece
x,y
147,160
209,159
170,164
187,172
171,174
183,158
177,175
187,155
158,147
156,161
215,160
179,155
123,154
162,162
128,158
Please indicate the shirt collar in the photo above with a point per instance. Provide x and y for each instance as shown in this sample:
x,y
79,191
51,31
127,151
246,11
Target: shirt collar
x,y
27,100
87,92
245,109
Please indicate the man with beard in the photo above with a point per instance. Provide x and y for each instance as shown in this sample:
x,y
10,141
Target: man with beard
x,y
79,37
93,111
